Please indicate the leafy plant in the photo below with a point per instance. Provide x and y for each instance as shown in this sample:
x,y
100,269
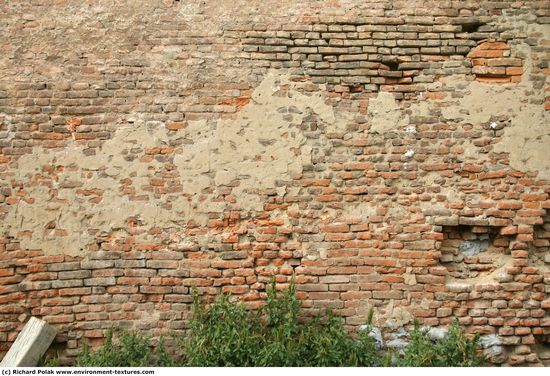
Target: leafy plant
x,y
226,334
455,350
49,361
127,350
330,345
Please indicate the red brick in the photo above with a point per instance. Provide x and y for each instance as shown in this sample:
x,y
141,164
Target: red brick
x,y
493,46
480,53
75,291
340,205
339,236
335,228
507,205
514,71
174,126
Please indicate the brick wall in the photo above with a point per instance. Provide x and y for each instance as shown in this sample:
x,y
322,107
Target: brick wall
x,y
389,154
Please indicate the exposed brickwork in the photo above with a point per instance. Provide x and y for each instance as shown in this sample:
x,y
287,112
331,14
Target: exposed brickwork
x,y
388,154
493,64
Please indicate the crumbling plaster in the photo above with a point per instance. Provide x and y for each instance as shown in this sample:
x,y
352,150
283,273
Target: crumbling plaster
x,y
258,147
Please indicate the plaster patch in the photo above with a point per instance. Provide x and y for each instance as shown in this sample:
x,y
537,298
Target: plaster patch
x,y
250,153
397,316
385,114
527,137
79,218
362,210
409,277
258,148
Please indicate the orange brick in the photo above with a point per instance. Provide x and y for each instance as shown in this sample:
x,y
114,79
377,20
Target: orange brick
x,y
511,71
493,46
174,126
506,205
486,54
339,236
335,228
241,102
439,95
479,62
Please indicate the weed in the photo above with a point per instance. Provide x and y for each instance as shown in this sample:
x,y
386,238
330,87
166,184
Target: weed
x,y
227,334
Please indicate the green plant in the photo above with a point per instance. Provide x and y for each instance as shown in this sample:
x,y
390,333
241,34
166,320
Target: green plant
x,y
330,345
49,361
455,350
126,350
281,330
162,357
226,334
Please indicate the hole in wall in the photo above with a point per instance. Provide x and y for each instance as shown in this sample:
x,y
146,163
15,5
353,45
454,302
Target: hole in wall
x,y
392,65
471,27
356,88
542,348
474,252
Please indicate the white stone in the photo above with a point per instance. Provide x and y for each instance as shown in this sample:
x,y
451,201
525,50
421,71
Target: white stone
x,y
489,340
376,334
436,334
397,344
30,345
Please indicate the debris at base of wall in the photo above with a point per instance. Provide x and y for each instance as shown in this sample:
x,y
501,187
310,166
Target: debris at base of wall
x,y
489,340
472,247
397,344
376,334
31,343
436,334
492,345
399,333
493,351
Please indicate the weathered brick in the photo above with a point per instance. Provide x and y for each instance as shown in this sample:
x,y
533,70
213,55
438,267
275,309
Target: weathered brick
x,y
64,266
97,264
67,283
